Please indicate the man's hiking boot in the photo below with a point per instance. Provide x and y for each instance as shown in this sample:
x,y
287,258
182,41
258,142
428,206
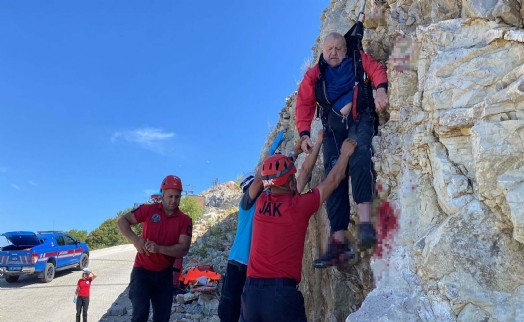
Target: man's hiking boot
x,y
367,237
336,254
330,258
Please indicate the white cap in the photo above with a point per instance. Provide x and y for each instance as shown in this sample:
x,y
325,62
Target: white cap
x,y
247,179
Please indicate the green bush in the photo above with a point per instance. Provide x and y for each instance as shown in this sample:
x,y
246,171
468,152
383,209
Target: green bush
x,y
136,228
106,235
80,235
192,207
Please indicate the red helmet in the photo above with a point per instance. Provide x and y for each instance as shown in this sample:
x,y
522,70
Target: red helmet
x,y
276,169
171,182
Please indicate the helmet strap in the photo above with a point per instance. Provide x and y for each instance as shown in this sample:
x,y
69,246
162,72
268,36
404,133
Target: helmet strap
x,y
289,186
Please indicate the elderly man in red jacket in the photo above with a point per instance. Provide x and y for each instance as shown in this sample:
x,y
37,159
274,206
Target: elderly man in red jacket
x,y
340,84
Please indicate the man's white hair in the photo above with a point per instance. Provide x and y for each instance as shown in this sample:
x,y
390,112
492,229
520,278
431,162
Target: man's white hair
x,y
335,35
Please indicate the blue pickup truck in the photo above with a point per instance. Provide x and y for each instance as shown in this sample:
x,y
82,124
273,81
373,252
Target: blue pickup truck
x,y
42,253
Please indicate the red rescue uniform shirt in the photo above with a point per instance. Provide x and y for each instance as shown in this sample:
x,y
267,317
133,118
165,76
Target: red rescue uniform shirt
x,y
279,232
163,230
84,286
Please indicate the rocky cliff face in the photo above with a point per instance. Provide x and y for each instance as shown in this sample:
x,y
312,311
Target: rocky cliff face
x,y
450,157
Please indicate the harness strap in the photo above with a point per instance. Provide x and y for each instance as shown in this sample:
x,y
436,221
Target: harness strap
x,y
354,107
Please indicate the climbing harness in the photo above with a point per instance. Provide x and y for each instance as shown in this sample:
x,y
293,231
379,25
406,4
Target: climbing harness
x,y
363,91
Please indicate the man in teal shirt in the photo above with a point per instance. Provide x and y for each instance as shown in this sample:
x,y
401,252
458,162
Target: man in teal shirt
x,y
251,185
229,306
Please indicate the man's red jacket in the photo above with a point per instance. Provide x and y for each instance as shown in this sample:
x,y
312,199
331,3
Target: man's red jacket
x,y
307,102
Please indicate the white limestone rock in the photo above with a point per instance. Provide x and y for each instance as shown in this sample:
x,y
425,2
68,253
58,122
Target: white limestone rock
x,y
472,313
452,188
512,185
508,11
478,9
497,148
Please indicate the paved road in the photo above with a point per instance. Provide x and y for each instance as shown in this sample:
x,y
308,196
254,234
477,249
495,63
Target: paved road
x,y
31,300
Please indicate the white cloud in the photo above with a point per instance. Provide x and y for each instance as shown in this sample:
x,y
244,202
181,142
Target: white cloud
x,y
149,192
32,183
148,138
14,186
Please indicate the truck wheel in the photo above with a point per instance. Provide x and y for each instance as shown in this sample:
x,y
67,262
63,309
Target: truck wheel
x,y
49,273
12,279
84,261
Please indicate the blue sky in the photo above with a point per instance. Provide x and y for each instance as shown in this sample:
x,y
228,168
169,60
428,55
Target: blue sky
x,y
99,100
